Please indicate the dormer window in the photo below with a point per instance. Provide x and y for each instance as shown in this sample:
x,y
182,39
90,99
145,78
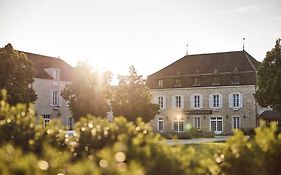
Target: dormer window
x,y
178,82
216,80
160,83
56,74
235,79
196,81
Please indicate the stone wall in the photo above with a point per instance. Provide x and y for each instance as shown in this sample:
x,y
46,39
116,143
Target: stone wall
x,y
247,113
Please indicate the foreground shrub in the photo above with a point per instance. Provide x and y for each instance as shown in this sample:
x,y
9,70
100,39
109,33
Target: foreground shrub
x,y
188,134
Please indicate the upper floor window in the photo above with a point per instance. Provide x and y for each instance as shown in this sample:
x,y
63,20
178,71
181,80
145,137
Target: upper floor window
x,y
161,102
235,100
56,74
215,101
196,101
160,83
178,101
54,100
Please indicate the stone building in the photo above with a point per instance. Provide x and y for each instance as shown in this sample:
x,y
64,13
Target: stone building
x,y
52,74
211,92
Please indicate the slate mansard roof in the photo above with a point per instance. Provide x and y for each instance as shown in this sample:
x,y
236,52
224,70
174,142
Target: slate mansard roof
x,y
213,69
42,62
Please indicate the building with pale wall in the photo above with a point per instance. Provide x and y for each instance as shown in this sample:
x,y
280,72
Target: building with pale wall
x,y
52,74
211,92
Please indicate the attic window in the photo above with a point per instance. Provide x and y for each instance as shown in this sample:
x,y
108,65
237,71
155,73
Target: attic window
x,y
216,80
160,83
178,82
196,81
235,79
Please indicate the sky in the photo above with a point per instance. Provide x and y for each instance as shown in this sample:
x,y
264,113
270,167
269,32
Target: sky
x,y
149,34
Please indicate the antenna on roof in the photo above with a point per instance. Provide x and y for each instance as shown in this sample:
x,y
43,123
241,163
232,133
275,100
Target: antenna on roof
x,y
243,44
186,50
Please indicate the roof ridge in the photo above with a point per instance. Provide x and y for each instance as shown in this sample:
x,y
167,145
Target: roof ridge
x,y
215,53
247,56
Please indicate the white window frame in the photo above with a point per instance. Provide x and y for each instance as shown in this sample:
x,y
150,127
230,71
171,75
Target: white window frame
x,y
55,98
236,100
69,123
212,101
196,104
178,123
239,122
178,101
195,122
163,104
216,120
47,119
160,119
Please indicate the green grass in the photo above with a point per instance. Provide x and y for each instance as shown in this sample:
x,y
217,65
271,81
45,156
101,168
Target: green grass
x,y
207,149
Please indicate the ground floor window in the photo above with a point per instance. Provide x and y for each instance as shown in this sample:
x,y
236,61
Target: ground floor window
x,y
160,124
69,123
216,125
178,125
47,119
197,122
236,122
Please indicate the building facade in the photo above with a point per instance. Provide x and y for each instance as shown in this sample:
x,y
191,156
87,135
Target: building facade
x,y
51,76
211,92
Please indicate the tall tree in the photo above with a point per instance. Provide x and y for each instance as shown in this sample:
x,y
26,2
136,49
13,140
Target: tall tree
x,y
269,79
132,99
88,93
16,75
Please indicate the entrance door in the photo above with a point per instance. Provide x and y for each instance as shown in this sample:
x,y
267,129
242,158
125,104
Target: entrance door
x,y
216,125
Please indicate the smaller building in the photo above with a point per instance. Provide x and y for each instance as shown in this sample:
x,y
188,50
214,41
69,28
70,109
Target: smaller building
x,y
52,74
270,116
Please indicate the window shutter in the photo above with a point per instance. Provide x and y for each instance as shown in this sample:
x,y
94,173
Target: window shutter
x,y
182,101
201,101
241,100
230,101
60,99
173,102
211,101
220,101
164,102
191,101
51,98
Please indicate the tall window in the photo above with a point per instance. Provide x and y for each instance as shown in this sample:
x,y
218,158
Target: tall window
x,y
216,101
236,122
160,124
235,100
55,98
70,123
197,122
160,83
46,118
196,101
178,101
216,125
161,102
178,125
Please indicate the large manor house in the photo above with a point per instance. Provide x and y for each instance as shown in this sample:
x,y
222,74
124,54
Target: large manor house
x,y
211,92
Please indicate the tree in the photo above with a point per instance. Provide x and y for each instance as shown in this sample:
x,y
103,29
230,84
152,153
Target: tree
x,y
16,75
269,79
88,93
132,99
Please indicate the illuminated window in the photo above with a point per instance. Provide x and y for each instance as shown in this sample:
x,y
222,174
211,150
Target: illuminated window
x,y
178,125
46,118
160,83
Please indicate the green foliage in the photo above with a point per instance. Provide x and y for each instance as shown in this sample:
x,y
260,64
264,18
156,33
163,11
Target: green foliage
x,y
121,147
131,98
189,134
16,75
269,79
88,93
